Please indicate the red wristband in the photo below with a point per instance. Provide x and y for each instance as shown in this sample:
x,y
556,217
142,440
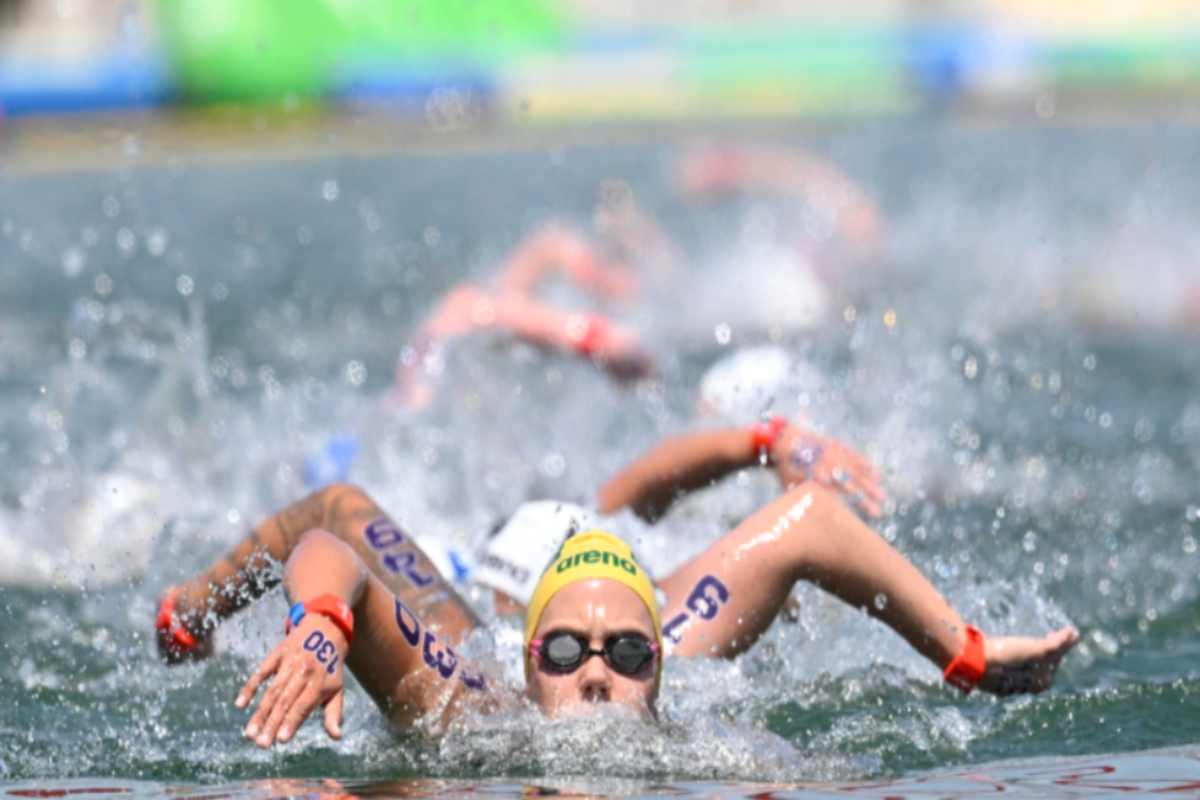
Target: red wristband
x,y
588,333
330,606
765,434
966,670
170,627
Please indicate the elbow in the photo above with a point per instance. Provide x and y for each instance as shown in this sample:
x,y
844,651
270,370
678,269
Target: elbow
x,y
318,550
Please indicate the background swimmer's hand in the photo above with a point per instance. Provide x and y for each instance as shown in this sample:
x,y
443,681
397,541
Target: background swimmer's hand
x,y
308,672
800,454
621,354
1022,664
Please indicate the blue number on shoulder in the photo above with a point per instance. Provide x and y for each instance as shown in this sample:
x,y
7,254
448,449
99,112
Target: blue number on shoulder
x,y
404,563
410,630
382,533
704,604
444,667
669,628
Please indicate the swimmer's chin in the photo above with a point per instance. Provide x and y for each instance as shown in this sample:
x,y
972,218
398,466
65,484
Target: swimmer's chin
x,y
583,709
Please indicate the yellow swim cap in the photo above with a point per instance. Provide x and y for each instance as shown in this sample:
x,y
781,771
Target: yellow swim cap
x,y
586,556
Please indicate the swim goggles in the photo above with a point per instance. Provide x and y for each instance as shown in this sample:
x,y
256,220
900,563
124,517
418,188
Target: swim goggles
x,y
563,652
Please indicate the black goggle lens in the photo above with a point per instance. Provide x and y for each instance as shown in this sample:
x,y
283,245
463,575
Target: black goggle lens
x,y
626,653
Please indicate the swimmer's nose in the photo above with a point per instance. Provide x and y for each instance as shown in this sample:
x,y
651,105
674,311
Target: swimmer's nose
x,y
595,681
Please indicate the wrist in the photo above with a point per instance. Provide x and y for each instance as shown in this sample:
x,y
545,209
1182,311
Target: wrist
x,y
587,333
329,606
764,436
967,669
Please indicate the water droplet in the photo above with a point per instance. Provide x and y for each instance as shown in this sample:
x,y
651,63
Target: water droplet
x,y
1189,544
156,242
184,285
1029,543
881,601
553,465
73,260
126,241
723,333
356,373
330,190
103,284
1089,362
970,368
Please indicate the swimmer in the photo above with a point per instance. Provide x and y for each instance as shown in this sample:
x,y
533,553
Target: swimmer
x,y
366,597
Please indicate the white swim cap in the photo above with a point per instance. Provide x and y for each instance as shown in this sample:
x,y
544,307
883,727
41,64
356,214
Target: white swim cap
x,y
513,559
745,384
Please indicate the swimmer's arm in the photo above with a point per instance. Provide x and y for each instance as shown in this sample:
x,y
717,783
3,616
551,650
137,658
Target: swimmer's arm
x,y
849,560
683,464
612,346
401,663
794,172
558,249
307,667
673,468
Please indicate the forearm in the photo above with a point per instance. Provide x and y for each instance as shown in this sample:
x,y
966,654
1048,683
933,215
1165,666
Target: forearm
x,y
532,259
848,559
323,564
676,466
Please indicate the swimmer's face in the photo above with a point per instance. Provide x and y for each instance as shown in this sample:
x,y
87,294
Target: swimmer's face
x,y
596,610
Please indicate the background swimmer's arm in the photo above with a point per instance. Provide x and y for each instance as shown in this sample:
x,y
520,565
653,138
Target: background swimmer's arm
x,y
247,571
554,248
683,464
613,347
673,468
402,663
795,172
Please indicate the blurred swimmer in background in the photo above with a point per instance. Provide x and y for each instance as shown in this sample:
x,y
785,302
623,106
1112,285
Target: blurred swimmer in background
x,y
810,225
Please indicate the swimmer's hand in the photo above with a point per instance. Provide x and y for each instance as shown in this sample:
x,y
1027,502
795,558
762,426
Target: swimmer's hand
x,y
801,454
307,669
1025,664
621,354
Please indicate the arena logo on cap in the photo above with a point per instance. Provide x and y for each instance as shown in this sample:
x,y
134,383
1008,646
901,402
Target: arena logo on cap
x,y
596,557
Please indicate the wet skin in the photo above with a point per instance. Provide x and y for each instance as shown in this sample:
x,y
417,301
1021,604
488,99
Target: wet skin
x,y
596,609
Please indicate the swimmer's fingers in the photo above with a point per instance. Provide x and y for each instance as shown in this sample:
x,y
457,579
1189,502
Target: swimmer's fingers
x,y
841,468
298,706
266,705
290,687
1024,664
333,714
265,670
